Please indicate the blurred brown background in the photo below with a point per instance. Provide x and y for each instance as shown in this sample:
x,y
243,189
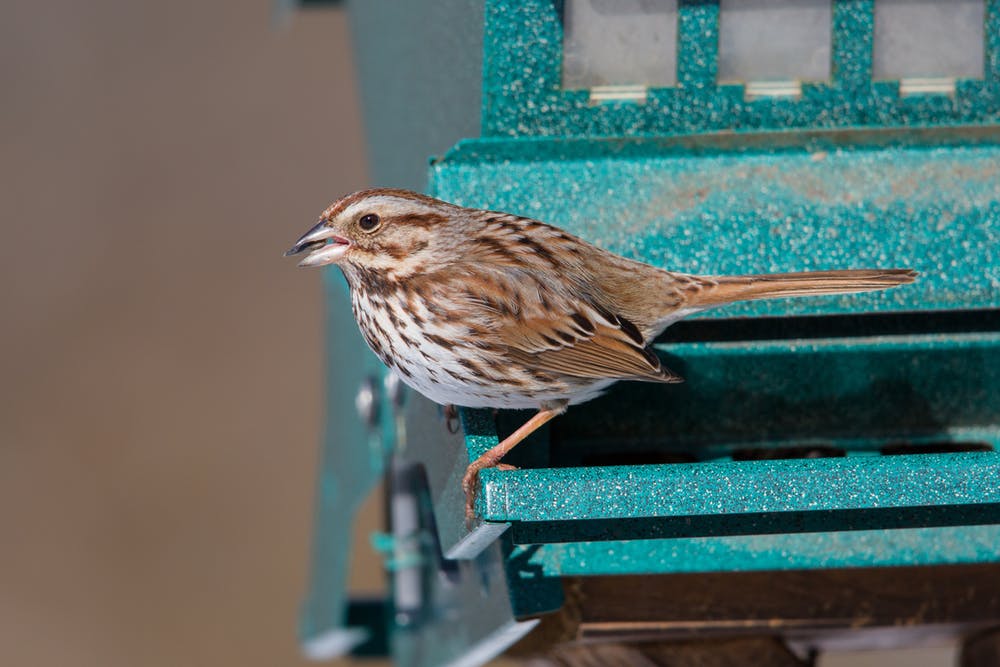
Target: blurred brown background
x,y
161,406
162,387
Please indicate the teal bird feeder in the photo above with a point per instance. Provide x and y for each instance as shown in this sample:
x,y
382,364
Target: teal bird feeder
x,y
828,476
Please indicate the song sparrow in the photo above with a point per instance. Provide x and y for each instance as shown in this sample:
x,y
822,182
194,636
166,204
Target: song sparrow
x,y
485,309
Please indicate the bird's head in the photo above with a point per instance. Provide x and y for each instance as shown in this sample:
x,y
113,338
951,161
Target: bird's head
x,y
384,230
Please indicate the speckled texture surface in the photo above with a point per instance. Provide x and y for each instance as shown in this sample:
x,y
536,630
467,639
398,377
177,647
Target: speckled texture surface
x,y
867,548
523,94
698,490
700,179
934,209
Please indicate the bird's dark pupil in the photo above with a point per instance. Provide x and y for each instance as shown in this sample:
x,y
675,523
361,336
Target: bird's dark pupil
x,y
369,221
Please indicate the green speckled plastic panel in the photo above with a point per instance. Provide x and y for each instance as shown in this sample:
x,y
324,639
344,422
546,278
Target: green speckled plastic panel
x,y
701,179
523,95
965,483
820,205
863,548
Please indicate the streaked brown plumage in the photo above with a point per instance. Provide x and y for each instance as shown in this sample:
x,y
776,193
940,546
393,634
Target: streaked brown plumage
x,y
485,309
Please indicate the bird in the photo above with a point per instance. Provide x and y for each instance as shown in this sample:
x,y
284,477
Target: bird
x,y
485,309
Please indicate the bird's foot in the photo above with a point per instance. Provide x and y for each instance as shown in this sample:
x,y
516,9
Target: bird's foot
x,y
491,457
470,483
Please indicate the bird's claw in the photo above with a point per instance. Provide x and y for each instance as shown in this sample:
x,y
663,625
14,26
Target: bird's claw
x,y
451,421
470,486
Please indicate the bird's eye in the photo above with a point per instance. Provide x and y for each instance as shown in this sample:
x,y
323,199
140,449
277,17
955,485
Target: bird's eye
x,y
369,222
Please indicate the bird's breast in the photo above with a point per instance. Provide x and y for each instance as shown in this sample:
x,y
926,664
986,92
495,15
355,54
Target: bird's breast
x,y
447,359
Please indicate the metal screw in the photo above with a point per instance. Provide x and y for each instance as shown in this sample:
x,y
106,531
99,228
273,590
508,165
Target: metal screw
x,y
367,401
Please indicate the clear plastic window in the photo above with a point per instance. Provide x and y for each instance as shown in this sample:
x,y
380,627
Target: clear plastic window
x,y
619,43
774,40
921,39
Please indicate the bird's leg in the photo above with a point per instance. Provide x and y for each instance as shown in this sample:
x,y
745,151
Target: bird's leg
x,y
491,457
451,419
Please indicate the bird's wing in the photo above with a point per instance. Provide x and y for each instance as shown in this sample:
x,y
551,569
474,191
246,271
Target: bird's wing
x,y
585,345
549,328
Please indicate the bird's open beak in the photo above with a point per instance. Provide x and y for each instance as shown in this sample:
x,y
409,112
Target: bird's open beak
x,y
322,244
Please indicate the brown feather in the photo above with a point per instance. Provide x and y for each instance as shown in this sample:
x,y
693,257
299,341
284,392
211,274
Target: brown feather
x,y
606,354
714,291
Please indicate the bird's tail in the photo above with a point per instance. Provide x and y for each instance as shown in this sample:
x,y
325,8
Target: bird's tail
x,y
718,290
